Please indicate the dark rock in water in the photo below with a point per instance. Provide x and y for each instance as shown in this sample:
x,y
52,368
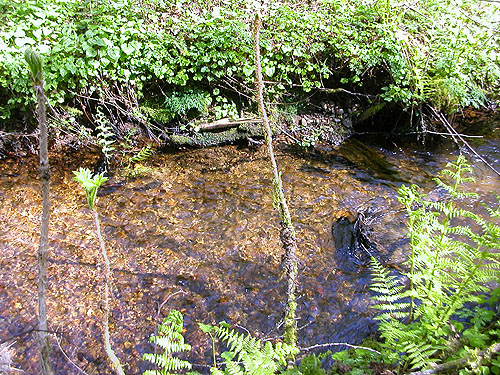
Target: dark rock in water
x,y
110,188
377,229
353,245
384,223
148,186
343,234
101,166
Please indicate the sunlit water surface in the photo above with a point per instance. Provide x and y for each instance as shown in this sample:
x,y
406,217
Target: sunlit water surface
x,y
199,234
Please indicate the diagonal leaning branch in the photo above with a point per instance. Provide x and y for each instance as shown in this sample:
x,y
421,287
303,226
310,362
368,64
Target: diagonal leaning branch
x,y
287,234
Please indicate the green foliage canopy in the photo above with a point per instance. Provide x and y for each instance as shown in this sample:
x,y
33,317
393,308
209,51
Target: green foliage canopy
x,y
443,53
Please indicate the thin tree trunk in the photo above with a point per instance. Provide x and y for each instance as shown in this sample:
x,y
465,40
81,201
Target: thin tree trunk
x,y
287,234
43,339
107,281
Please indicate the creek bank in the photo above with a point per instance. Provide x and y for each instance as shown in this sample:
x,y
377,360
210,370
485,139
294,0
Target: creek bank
x,y
330,123
325,120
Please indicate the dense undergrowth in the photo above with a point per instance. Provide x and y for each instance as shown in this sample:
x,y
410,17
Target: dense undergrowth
x,y
138,60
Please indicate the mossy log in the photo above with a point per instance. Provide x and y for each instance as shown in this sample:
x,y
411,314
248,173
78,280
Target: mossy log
x,y
239,132
227,123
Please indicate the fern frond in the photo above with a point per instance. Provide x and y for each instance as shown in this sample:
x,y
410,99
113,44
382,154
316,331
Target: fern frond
x,y
257,358
449,265
143,154
391,295
166,362
171,343
494,213
232,368
171,340
236,342
419,355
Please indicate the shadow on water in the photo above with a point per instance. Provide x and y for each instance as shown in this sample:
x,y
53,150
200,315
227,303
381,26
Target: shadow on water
x,y
199,234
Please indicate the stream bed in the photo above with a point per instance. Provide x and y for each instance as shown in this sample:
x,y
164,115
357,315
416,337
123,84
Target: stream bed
x,y
198,233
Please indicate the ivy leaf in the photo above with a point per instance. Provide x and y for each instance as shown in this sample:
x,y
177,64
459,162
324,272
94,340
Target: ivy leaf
x,y
207,328
19,33
89,51
98,42
248,70
127,48
216,12
20,42
114,53
269,70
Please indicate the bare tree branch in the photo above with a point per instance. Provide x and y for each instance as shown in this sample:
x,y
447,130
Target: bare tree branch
x,y
459,363
309,348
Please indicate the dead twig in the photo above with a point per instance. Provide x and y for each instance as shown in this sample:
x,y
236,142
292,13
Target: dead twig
x,y
456,135
6,354
158,312
445,134
459,363
58,341
309,348
160,306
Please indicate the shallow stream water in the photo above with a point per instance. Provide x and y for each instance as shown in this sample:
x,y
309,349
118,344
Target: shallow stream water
x,y
198,233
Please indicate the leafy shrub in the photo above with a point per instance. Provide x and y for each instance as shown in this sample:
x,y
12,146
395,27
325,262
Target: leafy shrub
x,y
436,52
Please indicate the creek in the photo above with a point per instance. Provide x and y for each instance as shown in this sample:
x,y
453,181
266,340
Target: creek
x,y
198,233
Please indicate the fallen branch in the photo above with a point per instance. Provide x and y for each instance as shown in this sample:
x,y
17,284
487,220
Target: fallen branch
x,y
287,233
227,123
36,66
289,135
454,133
107,311
444,134
309,348
67,357
458,363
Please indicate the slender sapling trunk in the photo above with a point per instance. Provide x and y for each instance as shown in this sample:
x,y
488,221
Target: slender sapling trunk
x,y
35,63
287,234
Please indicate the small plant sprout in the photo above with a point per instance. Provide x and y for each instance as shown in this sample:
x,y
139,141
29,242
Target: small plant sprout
x,y
90,183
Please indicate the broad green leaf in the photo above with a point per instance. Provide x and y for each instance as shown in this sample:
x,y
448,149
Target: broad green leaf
x,y
127,48
114,53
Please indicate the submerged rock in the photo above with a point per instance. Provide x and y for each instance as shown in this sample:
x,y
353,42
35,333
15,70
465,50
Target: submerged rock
x,y
353,247
375,230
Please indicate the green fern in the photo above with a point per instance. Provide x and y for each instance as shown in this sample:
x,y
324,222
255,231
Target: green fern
x,y
253,357
131,169
181,102
143,154
105,135
171,340
389,290
450,264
